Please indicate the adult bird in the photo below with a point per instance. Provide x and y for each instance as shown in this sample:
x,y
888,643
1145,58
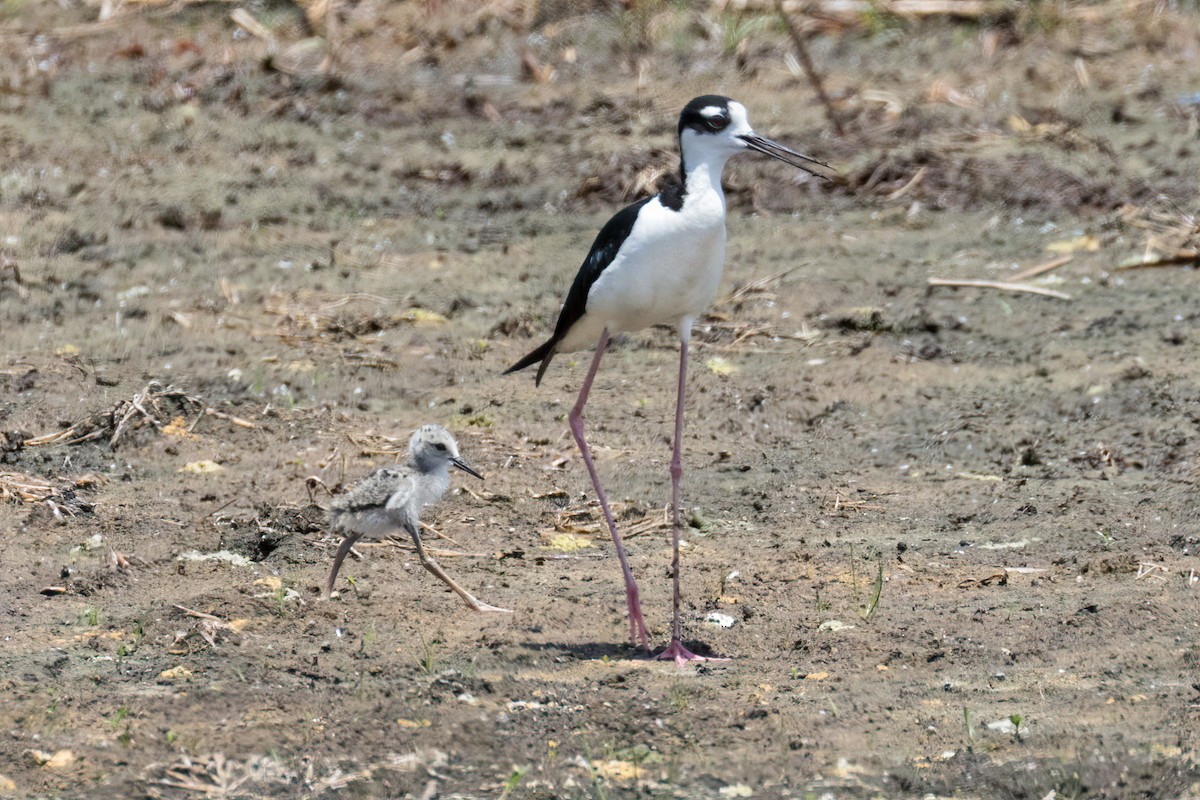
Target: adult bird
x,y
658,261
390,499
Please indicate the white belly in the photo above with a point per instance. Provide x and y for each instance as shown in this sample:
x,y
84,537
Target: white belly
x,y
374,523
668,271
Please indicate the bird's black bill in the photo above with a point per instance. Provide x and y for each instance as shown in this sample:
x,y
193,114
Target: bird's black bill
x,y
465,467
785,154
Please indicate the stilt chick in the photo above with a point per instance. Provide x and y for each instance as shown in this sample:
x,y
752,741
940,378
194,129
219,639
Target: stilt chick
x,y
391,499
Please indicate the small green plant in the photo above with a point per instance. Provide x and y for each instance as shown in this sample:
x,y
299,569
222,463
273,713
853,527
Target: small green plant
x,y
125,737
1106,539
1016,720
969,723
428,661
639,755
680,696
1041,16
597,778
866,610
280,596
90,617
697,520
822,605
878,21
737,28
514,779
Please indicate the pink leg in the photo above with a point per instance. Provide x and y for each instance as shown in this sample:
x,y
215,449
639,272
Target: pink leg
x,y
637,624
342,551
431,565
676,650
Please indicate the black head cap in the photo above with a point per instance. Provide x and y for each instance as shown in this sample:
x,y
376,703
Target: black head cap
x,y
695,118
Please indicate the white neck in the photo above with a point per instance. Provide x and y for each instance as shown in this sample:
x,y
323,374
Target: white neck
x,y
702,176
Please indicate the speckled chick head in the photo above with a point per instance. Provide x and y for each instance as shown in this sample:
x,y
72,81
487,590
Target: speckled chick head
x,y
433,449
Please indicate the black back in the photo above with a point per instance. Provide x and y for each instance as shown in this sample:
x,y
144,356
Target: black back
x,y
604,249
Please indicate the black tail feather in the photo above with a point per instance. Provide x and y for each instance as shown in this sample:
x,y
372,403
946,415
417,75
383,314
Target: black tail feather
x,y
542,354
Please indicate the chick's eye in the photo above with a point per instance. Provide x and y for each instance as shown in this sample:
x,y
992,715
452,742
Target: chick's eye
x,y
440,447
716,122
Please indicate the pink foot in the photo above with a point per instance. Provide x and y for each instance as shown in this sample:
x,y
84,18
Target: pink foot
x,y
682,655
485,607
637,623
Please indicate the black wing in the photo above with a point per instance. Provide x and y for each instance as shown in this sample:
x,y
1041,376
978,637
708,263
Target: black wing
x,y
604,250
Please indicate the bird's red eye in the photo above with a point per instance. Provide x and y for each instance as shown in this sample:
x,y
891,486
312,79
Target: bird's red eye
x,y
717,122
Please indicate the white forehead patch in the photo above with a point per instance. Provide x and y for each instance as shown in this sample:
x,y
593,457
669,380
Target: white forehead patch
x,y
737,113
711,111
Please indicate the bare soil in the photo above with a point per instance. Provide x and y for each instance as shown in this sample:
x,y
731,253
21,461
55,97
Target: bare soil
x,y
954,530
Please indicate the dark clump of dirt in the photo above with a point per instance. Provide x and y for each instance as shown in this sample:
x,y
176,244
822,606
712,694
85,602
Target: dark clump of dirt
x,y
1028,182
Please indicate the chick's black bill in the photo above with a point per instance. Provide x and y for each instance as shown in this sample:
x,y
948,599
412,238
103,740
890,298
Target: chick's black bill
x,y
465,467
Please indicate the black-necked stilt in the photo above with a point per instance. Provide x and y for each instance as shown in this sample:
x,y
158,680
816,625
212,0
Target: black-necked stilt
x,y
658,261
391,499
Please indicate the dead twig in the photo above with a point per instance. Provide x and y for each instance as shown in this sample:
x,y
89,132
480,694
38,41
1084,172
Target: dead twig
x,y
580,520
147,406
913,182
1001,285
60,499
758,285
1189,257
1172,234
241,423
437,551
11,273
809,70
197,614
208,628
378,445
439,534
21,488
1041,269
312,483
860,9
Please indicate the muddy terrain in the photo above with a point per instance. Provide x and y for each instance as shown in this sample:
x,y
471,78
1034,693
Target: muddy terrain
x,y
946,536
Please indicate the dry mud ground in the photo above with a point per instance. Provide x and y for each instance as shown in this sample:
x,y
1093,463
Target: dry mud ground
x,y
208,260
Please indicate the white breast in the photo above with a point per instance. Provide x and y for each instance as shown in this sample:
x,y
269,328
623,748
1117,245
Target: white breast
x,y
667,270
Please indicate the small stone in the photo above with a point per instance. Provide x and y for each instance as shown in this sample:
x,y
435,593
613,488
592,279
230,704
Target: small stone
x,y
60,759
179,673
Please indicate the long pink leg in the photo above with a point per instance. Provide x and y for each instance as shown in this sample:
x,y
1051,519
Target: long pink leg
x,y
637,624
676,650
